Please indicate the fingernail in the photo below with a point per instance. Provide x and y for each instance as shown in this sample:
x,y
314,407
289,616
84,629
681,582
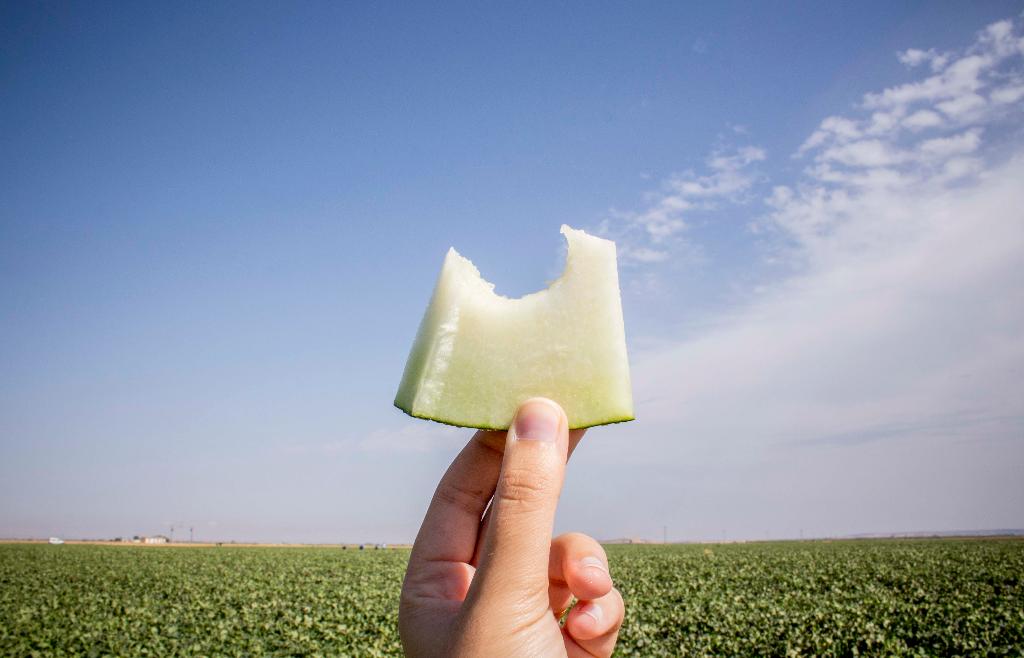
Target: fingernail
x,y
593,611
591,562
537,420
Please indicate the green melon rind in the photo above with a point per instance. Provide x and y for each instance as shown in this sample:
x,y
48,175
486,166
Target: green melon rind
x,y
456,423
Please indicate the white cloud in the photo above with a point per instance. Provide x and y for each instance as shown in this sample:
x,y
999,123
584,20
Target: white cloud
x,y
962,77
884,122
865,153
841,127
910,131
943,147
1008,94
914,57
832,128
965,88
923,119
962,105
908,308
882,159
644,236
956,168
878,385
883,380
869,177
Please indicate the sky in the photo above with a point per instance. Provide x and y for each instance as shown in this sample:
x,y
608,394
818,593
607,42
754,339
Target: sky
x,y
220,224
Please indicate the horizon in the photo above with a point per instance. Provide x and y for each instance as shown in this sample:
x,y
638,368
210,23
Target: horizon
x,y
219,228
988,533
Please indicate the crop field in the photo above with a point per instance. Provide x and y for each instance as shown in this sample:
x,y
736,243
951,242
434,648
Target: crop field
x,y
878,597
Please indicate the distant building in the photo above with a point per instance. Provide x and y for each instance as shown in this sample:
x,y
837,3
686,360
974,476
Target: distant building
x,y
626,540
155,539
56,540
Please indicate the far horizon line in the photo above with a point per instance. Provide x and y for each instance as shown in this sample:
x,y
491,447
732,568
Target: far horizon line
x,y
135,540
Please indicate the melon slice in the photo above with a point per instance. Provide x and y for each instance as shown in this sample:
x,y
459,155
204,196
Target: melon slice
x,y
477,355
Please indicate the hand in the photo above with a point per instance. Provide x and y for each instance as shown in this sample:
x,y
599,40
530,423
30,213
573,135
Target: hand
x,y
496,584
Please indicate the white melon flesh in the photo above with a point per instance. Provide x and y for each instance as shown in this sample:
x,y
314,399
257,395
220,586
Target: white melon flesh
x,y
477,355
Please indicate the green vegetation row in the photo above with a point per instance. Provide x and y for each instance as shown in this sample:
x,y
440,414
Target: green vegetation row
x,y
884,597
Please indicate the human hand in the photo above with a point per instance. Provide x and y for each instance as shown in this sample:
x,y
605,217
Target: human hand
x,y
496,584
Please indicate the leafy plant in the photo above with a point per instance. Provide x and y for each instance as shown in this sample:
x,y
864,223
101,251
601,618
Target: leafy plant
x,y
844,598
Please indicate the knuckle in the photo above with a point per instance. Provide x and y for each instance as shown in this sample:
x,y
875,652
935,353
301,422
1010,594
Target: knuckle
x,y
525,487
464,499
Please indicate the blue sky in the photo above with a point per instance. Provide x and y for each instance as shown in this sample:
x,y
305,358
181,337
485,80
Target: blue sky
x,y
219,226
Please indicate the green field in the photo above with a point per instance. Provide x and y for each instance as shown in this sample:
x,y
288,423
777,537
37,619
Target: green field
x,y
884,597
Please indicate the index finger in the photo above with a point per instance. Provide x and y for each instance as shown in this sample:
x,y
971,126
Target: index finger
x,y
574,440
451,524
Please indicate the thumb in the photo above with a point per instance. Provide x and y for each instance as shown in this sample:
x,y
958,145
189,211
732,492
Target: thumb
x,y
517,542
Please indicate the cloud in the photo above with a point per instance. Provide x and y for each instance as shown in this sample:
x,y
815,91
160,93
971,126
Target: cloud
x,y
961,106
944,147
832,128
858,180
907,309
914,57
922,119
957,84
1008,94
927,129
647,235
975,85
875,381
865,153
901,264
876,390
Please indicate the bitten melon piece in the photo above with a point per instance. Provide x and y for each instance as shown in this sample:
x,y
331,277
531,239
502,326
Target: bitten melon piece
x,y
477,355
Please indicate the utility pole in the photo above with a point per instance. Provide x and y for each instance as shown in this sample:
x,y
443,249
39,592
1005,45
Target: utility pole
x,y
172,532
190,534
